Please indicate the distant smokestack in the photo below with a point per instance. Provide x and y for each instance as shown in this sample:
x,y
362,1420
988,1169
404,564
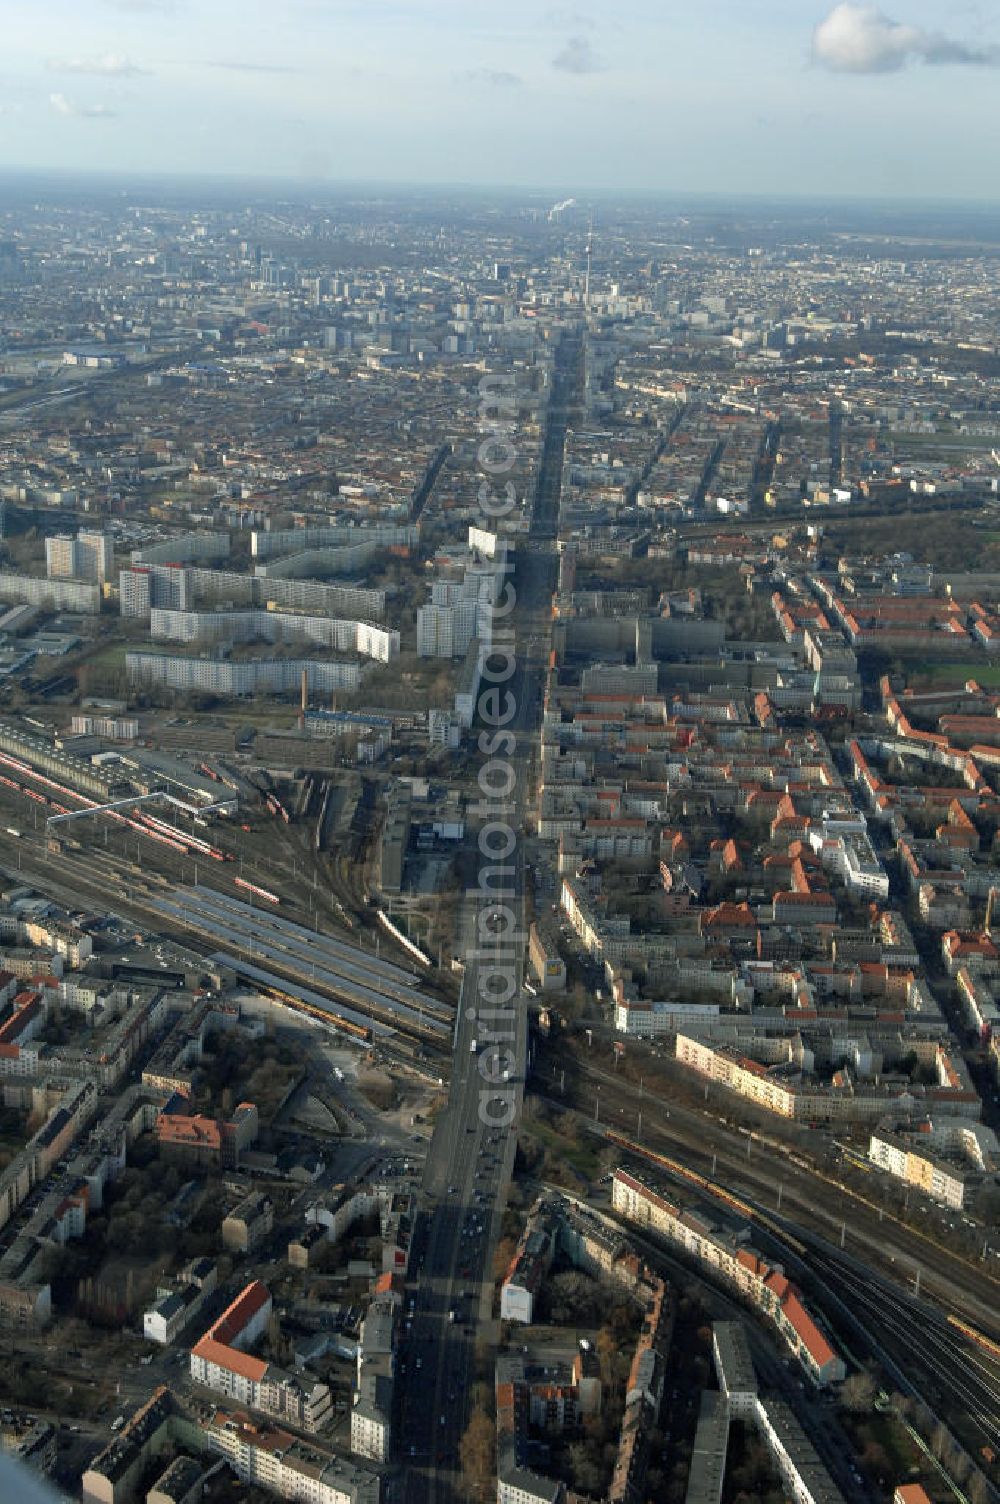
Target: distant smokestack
x,y
304,702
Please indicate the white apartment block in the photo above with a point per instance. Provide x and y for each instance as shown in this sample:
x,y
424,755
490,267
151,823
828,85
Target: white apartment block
x,y
143,586
118,728
184,548
371,1415
267,544
446,631
443,729
734,1368
483,542
802,1096
863,872
371,1432
163,1321
55,594
979,1006
638,1018
295,595
84,993
593,928
367,638
95,556
461,609
467,685
20,1060
518,1486
88,556
241,678
848,851
238,1377
730,1260
889,1155
747,1077
283,1465
74,945
60,557
135,593
803,1474
917,1159
173,1309
517,1302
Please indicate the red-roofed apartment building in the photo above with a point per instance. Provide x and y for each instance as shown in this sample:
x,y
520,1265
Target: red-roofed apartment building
x,y
204,1140
219,1362
739,1265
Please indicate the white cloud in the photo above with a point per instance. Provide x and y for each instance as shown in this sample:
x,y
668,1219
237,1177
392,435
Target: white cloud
x,y
861,39
577,56
63,106
111,65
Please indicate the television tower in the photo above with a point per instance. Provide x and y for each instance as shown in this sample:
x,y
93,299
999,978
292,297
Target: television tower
x,y
589,253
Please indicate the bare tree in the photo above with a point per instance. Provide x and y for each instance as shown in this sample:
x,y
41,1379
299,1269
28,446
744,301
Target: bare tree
x,y
476,1453
857,1393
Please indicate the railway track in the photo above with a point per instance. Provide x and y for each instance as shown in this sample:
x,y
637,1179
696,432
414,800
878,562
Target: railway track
x,y
294,871
311,960
678,1132
941,1358
909,1328
103,878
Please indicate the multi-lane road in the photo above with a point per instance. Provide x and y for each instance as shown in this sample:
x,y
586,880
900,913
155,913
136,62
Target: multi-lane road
x,y
468,1168
471,1157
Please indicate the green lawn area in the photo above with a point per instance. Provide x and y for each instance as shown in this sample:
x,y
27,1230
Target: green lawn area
x,y
112,656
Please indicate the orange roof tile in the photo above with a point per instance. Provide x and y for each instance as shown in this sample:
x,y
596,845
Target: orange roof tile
x,y
230,1358
807,1331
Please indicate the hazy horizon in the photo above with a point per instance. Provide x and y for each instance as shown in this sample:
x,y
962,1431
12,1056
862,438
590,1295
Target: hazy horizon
x,y
817,99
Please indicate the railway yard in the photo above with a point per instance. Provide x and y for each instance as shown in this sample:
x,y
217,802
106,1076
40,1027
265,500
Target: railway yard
x,y
226,895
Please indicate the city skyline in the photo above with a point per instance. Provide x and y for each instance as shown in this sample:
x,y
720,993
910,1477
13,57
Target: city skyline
x,y
499,829
843,100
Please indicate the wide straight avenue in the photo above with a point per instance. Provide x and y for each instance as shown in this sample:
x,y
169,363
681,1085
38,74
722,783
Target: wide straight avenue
x,y
449,1304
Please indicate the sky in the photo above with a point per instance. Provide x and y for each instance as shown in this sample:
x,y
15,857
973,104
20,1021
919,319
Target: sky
x,y
763,97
